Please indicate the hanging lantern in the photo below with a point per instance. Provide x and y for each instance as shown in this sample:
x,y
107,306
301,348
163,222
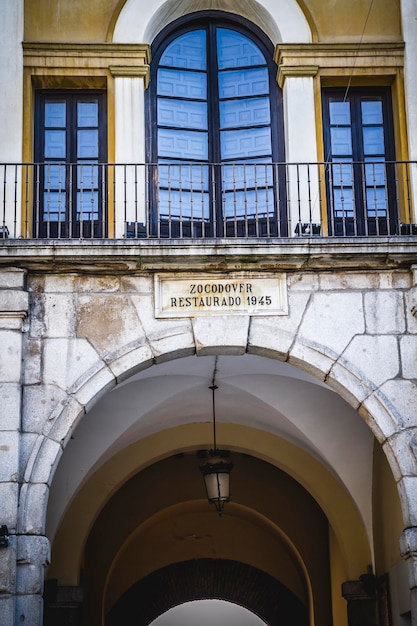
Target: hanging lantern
x,y
216,471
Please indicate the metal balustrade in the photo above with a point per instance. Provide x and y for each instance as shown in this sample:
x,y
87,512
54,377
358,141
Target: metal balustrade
x,y
201,200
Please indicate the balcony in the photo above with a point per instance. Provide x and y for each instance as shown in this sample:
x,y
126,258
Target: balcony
x,y
207,201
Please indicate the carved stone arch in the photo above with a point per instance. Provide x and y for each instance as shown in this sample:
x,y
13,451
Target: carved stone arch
x,y
378,408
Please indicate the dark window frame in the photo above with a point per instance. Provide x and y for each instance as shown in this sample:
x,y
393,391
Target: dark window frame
x,y
70,226
211,20
363,222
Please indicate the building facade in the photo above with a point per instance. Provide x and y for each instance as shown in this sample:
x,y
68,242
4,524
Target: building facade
x,y
208,242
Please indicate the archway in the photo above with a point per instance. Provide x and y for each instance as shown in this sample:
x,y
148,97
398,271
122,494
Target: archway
x,y
170,410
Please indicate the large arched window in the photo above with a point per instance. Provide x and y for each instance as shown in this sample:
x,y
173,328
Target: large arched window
x,y
215,112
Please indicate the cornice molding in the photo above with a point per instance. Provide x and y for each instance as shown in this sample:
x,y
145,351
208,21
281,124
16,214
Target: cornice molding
x,y
127,71
295,71
331,58
47,58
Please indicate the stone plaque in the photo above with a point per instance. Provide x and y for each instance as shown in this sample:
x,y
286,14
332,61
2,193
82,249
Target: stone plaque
x,y
211,294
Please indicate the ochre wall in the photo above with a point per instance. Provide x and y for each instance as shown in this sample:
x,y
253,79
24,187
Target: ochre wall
x,y
78,21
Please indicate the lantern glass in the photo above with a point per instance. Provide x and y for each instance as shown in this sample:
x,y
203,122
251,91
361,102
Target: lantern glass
x,y
217,485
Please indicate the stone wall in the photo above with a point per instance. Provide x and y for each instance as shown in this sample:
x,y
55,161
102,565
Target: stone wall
x,y
68,337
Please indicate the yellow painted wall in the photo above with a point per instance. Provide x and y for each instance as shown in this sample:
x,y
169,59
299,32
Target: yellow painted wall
x,y
93,21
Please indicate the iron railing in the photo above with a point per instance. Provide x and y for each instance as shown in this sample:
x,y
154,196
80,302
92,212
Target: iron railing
x,y
200,200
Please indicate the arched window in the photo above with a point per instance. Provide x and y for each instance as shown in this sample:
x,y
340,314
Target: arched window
x,y
216,136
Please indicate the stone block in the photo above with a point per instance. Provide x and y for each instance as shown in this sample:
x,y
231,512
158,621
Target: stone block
x,y
108,321
8,568
221,334
401,280
131,361
302,282
33,550
353,281
9,456
10,400
41,405
31,374
332,319
411,310
29,579
29,610
158,329
97,284
408,351
66,360
9,495
347,382
408,542
10,356
265,339
368,356
310,358
137,284
14,302
65,422
43,460
407,488
384,312
32,508
7,610
374,412
400,398
12,278
59,315
92,385
59,283
401,451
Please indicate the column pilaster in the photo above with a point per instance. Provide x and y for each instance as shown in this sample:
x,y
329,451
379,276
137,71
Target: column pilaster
x,y
408,548
13,312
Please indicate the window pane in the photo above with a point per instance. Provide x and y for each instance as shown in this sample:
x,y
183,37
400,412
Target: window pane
x,y
236,50
235,144
182,113
182,144
192,176
242,83
371,112
253,112
87,113
87,205
376,202
247,175
339,113
55,114
54,206
184,204
375,173
187,51
54,177
178,84
343,203
87,176
342,174
373,140
87,144
341,141
55,144
249,204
